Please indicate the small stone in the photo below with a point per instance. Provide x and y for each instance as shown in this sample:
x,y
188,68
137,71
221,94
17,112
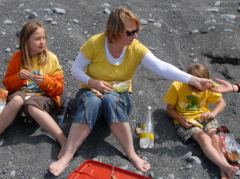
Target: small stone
x,y
189,166
143,21
171,176
54,23
106,11
187,155
8,22
48,19
7,50
211,28
214,9
1,141
124,167
151,174
76,21
151,20
157,24
192,55
21,5
32,15
217,3
13,173
59,11
194,160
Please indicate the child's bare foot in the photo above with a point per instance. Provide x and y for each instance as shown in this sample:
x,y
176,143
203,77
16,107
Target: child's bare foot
x,y
141,164
229,171
57,167
224,175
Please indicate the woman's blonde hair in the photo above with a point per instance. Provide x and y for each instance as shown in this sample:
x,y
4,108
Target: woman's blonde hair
x,y
199,70
116,23
28,29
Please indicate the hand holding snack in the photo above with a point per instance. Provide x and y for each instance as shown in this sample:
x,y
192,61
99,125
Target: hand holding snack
x,y
196,123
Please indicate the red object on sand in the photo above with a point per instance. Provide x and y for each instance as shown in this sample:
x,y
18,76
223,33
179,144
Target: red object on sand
x,y
92,169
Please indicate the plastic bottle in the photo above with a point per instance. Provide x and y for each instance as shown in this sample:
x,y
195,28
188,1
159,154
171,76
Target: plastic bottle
x,y
147,134
62,115
2,105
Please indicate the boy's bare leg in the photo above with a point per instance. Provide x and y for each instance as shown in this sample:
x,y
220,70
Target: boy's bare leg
x,y
77,134
210,151
122,132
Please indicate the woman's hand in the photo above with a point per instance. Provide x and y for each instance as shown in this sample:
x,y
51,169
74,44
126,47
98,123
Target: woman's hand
x,y
200,83
99,85
224,86
25,74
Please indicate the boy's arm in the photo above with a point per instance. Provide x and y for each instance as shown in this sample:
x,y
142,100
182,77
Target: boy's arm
x,y
219,108
173,113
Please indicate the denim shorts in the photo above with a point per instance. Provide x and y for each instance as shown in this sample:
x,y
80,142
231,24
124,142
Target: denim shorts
x,y
186,134
112,106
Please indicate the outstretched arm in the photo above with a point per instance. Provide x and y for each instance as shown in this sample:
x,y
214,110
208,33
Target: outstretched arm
x,y
171,72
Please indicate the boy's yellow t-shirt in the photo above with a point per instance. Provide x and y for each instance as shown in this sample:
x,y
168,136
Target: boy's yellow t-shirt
x,y
189,103
101,69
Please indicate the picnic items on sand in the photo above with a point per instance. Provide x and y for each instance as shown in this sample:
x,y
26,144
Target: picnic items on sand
x,y
230,146
91,169
3,98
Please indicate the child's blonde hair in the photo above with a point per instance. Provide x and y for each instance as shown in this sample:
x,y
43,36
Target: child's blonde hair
x,y
116,23
199,70
28,29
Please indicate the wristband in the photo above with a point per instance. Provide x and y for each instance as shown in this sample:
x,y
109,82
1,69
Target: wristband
x,y
238,85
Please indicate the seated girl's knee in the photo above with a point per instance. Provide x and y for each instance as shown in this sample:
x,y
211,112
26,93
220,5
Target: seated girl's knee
x,y
17,100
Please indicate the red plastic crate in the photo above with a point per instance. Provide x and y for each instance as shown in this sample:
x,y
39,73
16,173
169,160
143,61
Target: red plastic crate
x,y
92,169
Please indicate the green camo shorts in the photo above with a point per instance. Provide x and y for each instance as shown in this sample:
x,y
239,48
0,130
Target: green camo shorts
x,y
186,134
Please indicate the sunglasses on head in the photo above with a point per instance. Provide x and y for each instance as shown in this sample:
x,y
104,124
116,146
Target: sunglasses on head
x,y
131,33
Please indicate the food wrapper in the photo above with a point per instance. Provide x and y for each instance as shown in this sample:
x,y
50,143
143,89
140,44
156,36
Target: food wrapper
x,y
196,123
121,87
3,98
230,147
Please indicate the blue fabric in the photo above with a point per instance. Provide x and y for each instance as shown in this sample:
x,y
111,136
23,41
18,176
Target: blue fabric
x,y
113,107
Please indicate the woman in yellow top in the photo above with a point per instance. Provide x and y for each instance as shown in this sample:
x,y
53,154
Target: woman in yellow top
x,y
35,81
110,60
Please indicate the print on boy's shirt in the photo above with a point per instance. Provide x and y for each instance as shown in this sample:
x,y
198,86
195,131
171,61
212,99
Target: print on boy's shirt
x,y
194,103
31,85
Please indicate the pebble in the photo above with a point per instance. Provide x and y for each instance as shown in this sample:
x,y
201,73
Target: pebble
x,y
229,17
157,24
214,9
195,31
151,20
21,5
106,11
187,155
171,176
32,15
54,22
76,21
217,3
211,28
192,55
1,141
48,19
7,50
143,21
13,173
8,22
59,11
124,167
189,166
106,5
194,160
238,9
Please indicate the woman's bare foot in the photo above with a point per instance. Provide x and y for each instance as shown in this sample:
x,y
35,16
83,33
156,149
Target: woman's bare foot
x,y
140,164
57,167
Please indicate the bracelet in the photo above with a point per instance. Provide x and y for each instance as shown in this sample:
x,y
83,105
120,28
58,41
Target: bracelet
x,y
238,85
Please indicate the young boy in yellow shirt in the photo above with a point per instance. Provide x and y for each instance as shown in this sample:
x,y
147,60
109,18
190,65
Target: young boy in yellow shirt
x,y
192,117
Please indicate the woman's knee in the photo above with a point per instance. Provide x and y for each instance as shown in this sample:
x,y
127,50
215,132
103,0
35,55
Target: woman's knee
x,y
110,100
